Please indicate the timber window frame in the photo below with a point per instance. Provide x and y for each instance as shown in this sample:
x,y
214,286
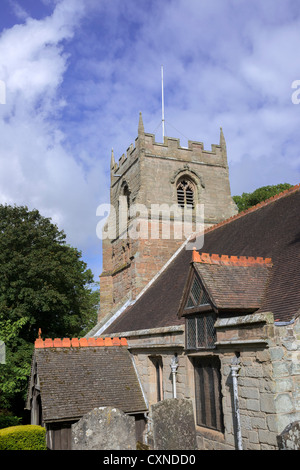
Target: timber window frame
x,y
199,316
197,297
158,377
200,331
208,396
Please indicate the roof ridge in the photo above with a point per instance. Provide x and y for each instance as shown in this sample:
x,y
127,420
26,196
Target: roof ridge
x,y
76,343
268,201
206,258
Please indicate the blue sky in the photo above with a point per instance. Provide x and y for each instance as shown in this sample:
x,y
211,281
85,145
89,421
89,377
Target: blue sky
x,y
77,74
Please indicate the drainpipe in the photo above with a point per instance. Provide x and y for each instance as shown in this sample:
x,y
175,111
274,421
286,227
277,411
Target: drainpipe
x,y
235,367
174,367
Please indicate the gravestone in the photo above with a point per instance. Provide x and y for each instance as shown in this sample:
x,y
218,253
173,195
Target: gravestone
x,y
174,425
289,439
104,428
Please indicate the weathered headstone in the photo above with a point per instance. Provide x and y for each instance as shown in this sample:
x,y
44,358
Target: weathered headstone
x,y
174,425
289,439
104,428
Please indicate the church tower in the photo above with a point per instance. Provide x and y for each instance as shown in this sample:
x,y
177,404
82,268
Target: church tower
x,y
150,178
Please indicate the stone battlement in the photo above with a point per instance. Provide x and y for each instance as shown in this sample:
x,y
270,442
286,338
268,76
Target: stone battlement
x,y
170,148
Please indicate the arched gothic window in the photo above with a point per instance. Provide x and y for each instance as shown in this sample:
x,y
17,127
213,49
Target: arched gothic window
x,y
186,193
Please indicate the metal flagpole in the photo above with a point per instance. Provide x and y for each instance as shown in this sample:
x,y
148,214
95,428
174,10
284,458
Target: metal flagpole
x,y
163,103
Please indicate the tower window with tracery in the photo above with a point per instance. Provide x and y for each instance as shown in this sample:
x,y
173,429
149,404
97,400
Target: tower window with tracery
x,y
185,194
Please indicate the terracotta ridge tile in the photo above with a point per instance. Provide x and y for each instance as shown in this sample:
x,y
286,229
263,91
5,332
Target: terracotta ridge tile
x,y
79,343
206,258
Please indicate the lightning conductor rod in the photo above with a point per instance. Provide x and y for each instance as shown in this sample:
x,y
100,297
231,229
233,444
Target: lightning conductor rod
x,y
163,101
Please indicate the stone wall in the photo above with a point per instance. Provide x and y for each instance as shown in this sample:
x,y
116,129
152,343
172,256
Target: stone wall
x,y
268,382
256,400
248,339
285,354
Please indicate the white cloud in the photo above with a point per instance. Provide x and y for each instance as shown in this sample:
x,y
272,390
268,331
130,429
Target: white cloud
x,y
32,58
35,167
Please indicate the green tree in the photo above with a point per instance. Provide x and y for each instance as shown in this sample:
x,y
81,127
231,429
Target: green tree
x,y
14,372
247,200
43,284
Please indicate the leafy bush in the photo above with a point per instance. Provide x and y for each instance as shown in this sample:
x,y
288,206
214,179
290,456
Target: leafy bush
x,y
7,420
27,437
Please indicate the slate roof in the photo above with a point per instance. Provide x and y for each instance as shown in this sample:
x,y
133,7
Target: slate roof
x,y
158,306
237,285
75,380
269,230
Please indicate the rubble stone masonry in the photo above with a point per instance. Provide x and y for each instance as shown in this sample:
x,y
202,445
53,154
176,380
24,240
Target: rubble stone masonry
x,y
268,382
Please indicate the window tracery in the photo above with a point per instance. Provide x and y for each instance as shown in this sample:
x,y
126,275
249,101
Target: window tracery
x,y
186,193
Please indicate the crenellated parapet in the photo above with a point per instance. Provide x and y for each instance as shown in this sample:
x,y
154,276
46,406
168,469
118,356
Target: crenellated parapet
x,y
146,145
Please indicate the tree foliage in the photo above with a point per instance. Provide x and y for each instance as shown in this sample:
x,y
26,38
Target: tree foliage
x,y
43,284
247,200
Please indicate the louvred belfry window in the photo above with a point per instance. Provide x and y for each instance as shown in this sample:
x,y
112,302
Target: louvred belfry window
x,y
185,194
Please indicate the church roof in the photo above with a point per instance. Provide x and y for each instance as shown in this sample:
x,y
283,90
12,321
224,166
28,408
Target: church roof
x,y
233,283
269,230
77,376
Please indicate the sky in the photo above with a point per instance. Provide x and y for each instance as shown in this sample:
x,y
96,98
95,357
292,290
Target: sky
x,y
74,76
